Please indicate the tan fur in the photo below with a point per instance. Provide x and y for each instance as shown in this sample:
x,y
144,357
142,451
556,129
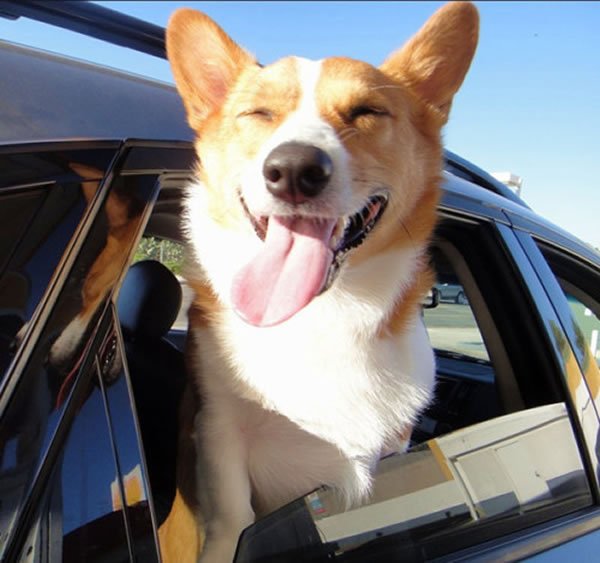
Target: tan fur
x,y
409,304
203,87
180,536
420,64
205,305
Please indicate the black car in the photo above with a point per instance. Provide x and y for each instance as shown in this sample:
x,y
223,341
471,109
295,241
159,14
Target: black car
x,y
503,465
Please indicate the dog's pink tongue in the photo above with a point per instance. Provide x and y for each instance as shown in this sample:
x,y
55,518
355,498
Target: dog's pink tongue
x,y
287,273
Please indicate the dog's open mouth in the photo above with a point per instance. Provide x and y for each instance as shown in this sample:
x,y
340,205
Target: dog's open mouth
x,y
300,259
355,231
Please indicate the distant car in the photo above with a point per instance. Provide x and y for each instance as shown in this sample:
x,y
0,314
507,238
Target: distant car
x,y
503,465
452,293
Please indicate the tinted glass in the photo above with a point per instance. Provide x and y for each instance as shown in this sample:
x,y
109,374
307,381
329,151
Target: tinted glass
x,y
127,442
589,324
80,517
43,381
92,506
578,281
43,197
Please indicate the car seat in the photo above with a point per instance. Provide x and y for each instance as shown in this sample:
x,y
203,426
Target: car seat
x,y
148,304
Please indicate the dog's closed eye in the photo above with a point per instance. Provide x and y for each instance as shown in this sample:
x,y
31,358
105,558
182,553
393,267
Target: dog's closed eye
x,y
365,110
259,112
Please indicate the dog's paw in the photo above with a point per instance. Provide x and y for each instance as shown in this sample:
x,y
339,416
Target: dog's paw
x,y
65,346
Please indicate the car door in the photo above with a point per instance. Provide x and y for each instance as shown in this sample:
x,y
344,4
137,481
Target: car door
x,y
504,462
72,472
569,273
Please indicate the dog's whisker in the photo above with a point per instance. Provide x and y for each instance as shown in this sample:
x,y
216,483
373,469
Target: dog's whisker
x,y
347,133
405,228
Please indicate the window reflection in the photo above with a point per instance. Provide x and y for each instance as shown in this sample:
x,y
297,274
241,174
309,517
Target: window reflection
x,y
91,503
65,349
516,465
43,197
119,402
81,517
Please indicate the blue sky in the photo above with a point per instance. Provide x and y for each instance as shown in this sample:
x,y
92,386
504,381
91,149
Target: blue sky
x,y
530,104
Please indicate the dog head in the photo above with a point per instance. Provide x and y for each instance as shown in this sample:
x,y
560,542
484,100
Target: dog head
x,y
309,168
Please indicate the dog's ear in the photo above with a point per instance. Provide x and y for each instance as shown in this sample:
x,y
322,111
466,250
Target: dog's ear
x,y
205,62
435,61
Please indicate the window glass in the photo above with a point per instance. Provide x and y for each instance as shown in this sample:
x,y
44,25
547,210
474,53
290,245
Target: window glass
x,y
124,425
468,483
588,323
38,392
578,281
81,516
451,325
90,487
43,197
495,452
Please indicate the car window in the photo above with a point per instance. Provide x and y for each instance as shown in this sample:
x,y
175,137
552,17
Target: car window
x,y
82,502
577,280
587,321
43,197
494,453
123,423
96,499
54,375
451,325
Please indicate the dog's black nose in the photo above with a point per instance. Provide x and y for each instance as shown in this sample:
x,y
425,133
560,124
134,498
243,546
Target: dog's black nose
x,y
295,172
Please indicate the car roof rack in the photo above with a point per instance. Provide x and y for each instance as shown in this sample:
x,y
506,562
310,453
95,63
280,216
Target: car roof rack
x,y
91,20
120,29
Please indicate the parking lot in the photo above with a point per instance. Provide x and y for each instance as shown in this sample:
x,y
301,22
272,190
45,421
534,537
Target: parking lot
x,y
452,327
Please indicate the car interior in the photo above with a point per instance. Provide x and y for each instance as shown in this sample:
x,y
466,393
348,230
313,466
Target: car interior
x,y
149,301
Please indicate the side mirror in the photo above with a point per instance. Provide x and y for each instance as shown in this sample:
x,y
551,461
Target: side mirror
x,y
432,299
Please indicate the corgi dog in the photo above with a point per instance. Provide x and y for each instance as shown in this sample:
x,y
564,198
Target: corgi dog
x,y
308,226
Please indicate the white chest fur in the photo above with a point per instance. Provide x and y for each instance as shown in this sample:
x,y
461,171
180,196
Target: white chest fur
x,y
326,369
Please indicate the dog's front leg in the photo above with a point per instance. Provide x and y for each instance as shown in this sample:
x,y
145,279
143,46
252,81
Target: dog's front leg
x,y
224,489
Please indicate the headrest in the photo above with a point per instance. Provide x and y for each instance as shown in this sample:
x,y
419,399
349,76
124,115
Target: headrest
x,y
149,300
